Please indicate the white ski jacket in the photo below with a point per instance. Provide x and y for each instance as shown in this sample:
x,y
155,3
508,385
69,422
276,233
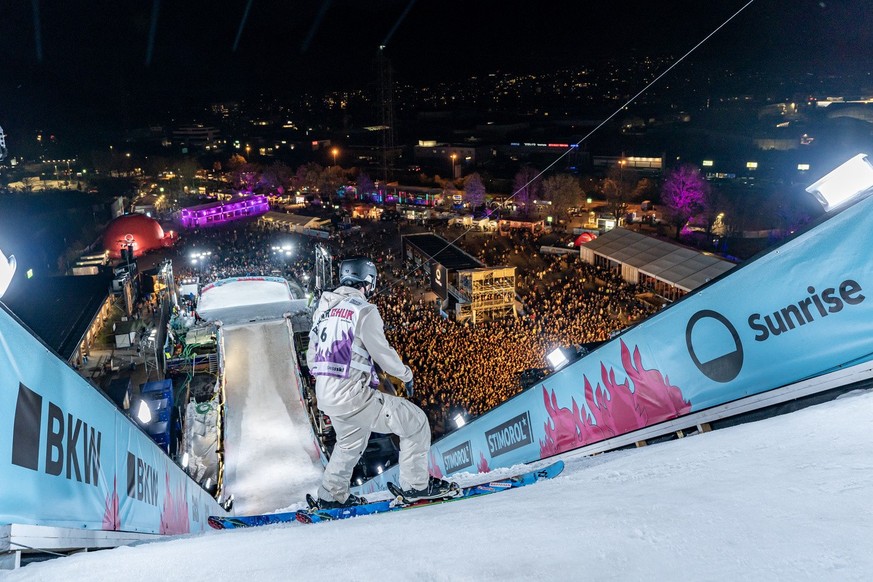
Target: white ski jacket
x,y
346,338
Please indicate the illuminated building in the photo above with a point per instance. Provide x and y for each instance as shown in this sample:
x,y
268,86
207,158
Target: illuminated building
x,y
222,212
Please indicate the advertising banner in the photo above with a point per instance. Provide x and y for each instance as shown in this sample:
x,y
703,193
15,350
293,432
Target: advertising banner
x,y
439,280
70,458
800,311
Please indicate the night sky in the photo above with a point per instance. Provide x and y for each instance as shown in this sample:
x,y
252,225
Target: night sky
x,y
95,58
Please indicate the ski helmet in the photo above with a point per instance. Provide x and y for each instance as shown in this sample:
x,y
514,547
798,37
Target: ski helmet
x,y
358,272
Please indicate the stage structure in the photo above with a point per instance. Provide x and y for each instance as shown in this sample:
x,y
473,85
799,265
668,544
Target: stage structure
x,y
465,288
489,293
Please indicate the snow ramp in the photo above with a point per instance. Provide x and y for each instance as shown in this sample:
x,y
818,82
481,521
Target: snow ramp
x,y
247,299
271,455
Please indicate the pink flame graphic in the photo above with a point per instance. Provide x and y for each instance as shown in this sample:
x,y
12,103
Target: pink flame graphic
x,y
174,517
434,468
614,408
110,513
483,464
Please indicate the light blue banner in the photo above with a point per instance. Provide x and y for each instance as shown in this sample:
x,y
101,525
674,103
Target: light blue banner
x,y
70,458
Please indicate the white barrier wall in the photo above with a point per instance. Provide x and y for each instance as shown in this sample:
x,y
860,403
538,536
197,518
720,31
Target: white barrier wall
x,y
70,458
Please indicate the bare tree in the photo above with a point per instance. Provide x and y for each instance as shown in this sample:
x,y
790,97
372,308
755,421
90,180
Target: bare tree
x,y
365,184
564,192
527,186
683,195
474,190
246,178
235,161
617,188
330,181
307,176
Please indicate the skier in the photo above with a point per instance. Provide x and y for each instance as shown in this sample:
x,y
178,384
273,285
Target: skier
x,y
346,338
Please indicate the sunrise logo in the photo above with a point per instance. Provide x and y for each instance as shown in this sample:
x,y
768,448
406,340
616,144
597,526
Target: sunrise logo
x,y
726,348
7,270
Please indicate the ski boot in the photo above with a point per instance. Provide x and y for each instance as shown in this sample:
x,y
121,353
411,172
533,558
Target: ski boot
x,y
436,489
319,503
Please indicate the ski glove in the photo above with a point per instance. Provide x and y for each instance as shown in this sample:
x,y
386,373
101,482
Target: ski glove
x,y
408,387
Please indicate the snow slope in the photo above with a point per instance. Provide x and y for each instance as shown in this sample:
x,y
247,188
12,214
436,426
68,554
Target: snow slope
x,y
789,498
247,299
271,457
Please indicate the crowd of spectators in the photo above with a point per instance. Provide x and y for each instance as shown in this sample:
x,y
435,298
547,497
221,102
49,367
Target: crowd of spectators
x,y
242,250
469,369
458,367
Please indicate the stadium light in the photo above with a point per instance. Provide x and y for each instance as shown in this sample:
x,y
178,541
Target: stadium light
x,y
7,270
459,420
185,460
843,184
557,358
379,469
144,412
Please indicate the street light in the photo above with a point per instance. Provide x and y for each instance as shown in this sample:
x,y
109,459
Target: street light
x,y
454,157
200,257
334,151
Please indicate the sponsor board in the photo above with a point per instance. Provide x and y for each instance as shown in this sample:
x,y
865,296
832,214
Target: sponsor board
x,y
510,435
460,457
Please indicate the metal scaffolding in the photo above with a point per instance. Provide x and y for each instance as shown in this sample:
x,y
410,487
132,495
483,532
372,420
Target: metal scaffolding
x,y
488,293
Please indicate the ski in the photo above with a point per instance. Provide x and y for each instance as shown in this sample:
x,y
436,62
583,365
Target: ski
x,y
487,488
222,522
314,515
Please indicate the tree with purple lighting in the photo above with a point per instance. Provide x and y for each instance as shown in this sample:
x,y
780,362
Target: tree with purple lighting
x,y
526,188
246,177
474,190
365,185
683,195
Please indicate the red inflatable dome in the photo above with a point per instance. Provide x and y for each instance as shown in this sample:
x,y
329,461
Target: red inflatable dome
x,y
584,238
144,233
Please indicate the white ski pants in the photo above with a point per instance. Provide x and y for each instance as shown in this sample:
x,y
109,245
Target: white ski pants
x,y
384,414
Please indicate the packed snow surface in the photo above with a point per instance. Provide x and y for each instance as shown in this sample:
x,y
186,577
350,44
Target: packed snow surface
x,y
245,299
271,455
789,498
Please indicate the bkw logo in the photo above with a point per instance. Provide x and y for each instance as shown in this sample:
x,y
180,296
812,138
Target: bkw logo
x,y
71,447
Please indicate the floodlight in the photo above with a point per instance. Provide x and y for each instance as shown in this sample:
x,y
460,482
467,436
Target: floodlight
x,y
185,461
557,358
208,483
7,270
379,469
844,184
144,412
459,420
